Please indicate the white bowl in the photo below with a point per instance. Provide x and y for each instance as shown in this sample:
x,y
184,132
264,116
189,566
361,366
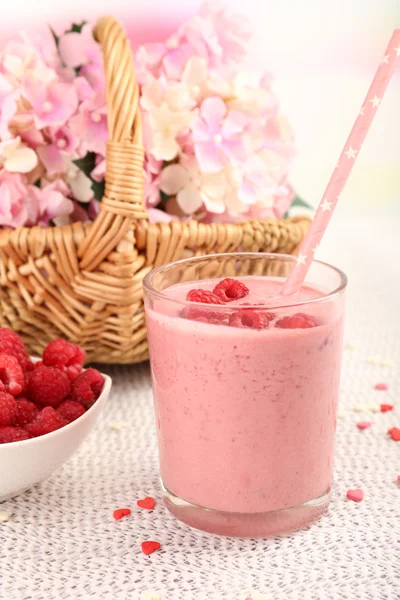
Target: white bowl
x,y
26,463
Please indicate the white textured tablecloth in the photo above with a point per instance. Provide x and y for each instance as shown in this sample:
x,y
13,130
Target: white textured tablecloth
x,y
62,542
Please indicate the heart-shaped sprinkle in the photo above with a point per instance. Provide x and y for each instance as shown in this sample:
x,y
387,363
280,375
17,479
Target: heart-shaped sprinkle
x,y
386,407
398,478
355,495
150,547
148,503
381,387
395,433
121,512
364,424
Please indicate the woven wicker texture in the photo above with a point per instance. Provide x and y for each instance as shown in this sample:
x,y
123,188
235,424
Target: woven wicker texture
x,y
84,282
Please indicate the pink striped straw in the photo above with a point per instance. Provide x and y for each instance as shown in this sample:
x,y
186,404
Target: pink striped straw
x,y
343,168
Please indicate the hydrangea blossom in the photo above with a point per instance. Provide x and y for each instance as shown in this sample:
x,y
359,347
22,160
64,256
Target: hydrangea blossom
x,y
216,146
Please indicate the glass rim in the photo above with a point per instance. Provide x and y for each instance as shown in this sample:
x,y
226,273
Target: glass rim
x,y
162,296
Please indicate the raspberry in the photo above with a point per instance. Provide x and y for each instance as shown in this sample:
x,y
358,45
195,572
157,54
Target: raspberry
x,y
46,421
48,386
12,345
230,289
26,411
297,321
13,434
64,356
249,318
71,410
8,409
203,296
11,375
87,387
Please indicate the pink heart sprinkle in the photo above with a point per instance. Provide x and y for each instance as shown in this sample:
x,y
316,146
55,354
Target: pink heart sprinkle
x,y
355,495
381,386
364,424
398,478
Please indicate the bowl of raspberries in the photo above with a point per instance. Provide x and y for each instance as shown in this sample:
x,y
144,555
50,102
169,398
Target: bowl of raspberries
x,y
47,408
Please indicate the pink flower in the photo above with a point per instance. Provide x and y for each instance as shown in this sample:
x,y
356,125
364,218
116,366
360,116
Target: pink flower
x,y
63,138
51,155
151,174
52,105
90,124
51,158
159,216
16,209
93,209
52,203
218,135
83,88
80,49
233,31
99,171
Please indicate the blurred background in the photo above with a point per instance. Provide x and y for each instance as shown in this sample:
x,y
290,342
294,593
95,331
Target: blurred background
x,y
323,56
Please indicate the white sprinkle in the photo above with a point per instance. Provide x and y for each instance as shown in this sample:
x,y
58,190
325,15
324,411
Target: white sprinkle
x,y
350,345
150,595
5,515
118,426
380,362
257,596
365,408
341,414
387,363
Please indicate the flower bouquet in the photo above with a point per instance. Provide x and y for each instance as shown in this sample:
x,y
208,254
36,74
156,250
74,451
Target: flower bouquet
x,y
107,171
217,148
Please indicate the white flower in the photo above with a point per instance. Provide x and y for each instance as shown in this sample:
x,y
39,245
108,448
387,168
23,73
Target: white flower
x,y
166,125
19,58
201,84
16,157
193,188
79,183
251,97
175,95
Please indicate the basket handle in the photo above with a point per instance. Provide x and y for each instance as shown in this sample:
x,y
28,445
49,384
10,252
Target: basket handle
x,y
123,195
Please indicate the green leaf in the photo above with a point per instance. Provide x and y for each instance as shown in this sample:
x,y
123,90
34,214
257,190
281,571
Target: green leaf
x,y
300,202
76,27
55,37
87,163
164,197
98,189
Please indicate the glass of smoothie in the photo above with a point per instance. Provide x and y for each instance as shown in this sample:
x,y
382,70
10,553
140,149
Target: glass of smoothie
x,y
245,384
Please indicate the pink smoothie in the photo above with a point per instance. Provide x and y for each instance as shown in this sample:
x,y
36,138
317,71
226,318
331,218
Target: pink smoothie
x,y
246,418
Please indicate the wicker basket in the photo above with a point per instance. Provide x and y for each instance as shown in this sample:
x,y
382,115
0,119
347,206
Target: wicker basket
x,y
84,282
